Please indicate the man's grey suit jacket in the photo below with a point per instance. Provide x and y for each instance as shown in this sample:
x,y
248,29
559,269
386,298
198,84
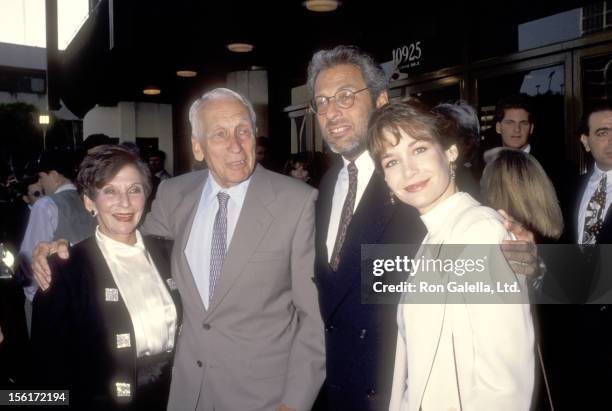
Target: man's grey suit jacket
x,y
260,343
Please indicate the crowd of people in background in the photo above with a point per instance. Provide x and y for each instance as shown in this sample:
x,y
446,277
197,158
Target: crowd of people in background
x,y
292,332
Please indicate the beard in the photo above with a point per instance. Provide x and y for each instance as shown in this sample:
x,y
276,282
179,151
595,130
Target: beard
x,y
352,149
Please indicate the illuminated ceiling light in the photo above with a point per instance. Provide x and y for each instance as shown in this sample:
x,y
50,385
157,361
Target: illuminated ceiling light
x,y
240,47
321,6
186,73
43,119
151,91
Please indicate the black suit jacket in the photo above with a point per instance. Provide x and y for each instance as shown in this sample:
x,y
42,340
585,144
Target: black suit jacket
x,y
359,338
15,353
75,327
577,336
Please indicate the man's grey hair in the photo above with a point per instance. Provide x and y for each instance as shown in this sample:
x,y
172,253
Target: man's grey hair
x,y
218,93
464,115
372,73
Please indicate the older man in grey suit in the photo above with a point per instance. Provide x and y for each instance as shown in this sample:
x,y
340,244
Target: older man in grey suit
x,y
243,259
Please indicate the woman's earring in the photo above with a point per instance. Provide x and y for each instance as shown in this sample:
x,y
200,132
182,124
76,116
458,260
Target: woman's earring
x,y
392,198
93,213
453,166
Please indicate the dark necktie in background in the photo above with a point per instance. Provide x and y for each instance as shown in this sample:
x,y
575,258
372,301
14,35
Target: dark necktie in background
x,y
345,217
218,244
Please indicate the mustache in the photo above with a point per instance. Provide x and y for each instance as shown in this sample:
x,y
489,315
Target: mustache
x,y
336,123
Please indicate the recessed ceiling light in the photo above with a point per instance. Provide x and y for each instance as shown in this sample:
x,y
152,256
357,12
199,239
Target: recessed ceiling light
x,y
186,73
321,6
240,47
151,91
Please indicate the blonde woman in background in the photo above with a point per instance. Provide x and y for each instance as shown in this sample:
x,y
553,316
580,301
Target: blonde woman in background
x,y
514,180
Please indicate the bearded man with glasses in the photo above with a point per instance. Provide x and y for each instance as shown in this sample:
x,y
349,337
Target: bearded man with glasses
x,y
353,208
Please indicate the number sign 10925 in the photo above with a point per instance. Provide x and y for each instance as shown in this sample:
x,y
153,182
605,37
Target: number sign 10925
x,y
407,53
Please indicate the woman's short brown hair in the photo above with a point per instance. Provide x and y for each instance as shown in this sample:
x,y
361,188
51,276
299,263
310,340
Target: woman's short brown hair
x,y
103,163
415,119
516,182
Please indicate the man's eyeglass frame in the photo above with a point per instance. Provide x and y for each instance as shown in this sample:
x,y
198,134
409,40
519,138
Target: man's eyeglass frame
x,y
353,94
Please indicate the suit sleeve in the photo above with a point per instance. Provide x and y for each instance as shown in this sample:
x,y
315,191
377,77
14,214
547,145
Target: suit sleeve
x,y
157,221
57,339
307,358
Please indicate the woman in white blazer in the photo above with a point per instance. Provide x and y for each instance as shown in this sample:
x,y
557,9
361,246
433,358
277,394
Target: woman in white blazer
x,y
454,353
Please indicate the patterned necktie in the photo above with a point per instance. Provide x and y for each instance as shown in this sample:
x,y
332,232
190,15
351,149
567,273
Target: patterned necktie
x,y
345,217
593,217
218,244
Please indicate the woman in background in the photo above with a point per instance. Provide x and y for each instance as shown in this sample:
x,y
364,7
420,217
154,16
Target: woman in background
x,y
462,356
106,328
298,166
514,180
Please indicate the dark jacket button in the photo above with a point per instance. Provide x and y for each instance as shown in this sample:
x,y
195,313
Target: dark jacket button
x,y
371,393
206,326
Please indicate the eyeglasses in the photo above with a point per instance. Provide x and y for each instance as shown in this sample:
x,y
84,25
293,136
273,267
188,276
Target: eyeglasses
x,y
344,99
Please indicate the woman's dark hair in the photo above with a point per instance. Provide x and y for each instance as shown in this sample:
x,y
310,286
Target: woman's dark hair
x,y
415,119
103,163
294,160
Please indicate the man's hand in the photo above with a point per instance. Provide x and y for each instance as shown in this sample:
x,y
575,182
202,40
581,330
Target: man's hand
x,y
522,253
283,407
40,266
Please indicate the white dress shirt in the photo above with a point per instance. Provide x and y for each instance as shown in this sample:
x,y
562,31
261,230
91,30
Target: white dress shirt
x,y
527,148
149,303
588,193
42,224
198,246
365,169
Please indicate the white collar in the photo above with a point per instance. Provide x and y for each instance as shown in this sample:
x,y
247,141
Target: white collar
x,y
438,216
237,193
117,246
597,173
364,163
65,187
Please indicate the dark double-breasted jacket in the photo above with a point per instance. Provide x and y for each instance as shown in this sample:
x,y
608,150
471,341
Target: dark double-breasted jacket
x,y
82,334
359,338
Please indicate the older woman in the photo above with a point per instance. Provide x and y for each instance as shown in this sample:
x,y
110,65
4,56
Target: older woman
x,y
459,355
107,326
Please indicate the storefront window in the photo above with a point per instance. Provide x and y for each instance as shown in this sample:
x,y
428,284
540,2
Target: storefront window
x,y
499,35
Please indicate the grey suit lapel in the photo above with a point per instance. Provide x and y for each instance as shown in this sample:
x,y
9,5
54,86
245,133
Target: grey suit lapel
x,y
189,206
253,223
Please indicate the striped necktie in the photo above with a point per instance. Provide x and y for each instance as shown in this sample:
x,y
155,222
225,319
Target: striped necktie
x,y
218,244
